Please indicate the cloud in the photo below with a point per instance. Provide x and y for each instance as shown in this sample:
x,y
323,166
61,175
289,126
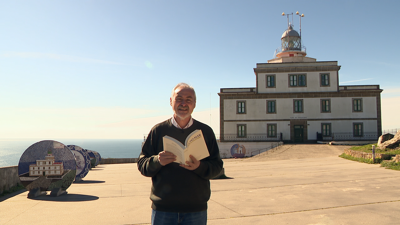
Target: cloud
x,y
391,91
353,81
68,58
390,113
88,123
143,125
68,117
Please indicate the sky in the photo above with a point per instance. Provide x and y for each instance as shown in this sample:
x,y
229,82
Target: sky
x,y
96,69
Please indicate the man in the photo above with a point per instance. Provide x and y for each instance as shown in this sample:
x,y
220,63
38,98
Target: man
x,y
179,192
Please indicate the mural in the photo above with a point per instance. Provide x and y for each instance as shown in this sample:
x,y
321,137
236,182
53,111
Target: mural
x,y
238,151
93,159
47,165
82,161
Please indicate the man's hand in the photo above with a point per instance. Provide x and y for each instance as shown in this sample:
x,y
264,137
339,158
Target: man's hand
x,y
191,165
166,158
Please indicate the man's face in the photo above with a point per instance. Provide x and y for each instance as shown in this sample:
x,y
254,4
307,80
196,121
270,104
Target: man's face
x,y
183,102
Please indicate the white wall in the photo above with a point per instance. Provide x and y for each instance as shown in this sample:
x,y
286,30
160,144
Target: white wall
x,y
339,126
259,128
282,82
341,107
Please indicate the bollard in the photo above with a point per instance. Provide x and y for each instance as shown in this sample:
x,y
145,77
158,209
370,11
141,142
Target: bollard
x,y
373,153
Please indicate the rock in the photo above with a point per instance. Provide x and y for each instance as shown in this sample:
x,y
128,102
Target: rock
x,y
392,143
396,158
384,137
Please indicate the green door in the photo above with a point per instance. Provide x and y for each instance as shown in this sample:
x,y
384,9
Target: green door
x,y
298,133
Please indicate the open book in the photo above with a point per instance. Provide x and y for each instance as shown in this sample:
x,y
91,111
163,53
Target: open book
x,y
195,145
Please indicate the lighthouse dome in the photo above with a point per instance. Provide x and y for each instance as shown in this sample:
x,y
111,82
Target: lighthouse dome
x,y
290,32
291,40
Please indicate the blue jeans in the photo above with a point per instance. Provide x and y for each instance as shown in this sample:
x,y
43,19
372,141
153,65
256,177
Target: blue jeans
x,y
171,218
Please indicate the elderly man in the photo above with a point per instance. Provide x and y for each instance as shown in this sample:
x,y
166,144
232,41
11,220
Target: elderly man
x,y
179,192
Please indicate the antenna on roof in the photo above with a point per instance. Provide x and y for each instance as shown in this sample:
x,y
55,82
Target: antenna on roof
x,y
297,13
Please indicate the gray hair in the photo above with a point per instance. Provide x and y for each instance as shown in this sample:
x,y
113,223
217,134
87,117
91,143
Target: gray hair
x,y
184,86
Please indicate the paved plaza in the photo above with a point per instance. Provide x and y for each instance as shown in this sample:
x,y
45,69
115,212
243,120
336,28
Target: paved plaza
x,y
295,184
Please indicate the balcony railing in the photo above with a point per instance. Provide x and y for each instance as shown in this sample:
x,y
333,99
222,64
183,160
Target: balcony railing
x,y
271,149
250,137
391,131
348,136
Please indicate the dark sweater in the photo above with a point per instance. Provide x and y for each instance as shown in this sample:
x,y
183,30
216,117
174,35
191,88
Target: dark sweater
x,y
176,189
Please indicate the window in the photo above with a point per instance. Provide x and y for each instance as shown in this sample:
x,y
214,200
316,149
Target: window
x,y
270,81
293,80
241,107
325,105
357,129
271,106
324,79
271,130
357,105
297,80
298,106
326,129
241,130
302,80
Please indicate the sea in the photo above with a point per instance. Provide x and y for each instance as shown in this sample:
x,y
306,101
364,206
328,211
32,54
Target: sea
x,y
12,149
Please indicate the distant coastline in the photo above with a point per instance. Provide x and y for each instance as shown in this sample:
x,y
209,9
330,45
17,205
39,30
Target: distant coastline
x,y
12,149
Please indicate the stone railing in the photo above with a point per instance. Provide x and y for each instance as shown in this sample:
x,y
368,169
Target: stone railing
x,y
8,178
358,154
118,160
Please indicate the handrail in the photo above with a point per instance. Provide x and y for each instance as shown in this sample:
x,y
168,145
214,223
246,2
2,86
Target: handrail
x,y
272,149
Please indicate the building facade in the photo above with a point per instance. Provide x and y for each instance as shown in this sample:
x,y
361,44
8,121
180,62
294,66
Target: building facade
x,y
298,99
46,167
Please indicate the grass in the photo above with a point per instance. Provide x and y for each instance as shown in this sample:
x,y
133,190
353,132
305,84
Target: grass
x,y
391,165
12,190
368,149
369,161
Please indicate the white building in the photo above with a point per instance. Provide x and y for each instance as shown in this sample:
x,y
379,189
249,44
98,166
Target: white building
x,y
298,99
46,167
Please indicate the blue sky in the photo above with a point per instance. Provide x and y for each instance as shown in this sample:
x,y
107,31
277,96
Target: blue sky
x,y
105,69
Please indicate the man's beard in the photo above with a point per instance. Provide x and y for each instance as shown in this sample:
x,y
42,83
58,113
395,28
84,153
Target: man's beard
x,y
182,117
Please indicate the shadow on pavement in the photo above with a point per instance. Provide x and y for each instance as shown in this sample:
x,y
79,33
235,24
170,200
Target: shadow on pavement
x,y
89,182
12,195
67,198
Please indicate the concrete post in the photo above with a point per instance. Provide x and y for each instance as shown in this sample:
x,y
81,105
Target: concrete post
x,y
373,153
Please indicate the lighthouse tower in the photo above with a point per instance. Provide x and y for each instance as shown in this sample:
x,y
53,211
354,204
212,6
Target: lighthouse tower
x,y
291,46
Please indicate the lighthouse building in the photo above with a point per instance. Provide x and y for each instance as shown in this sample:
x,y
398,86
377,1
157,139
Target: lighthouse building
x,y
297,99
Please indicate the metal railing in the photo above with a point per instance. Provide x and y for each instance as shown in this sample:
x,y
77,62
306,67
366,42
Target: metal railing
x,y
348,136
391,131
250,137
268,150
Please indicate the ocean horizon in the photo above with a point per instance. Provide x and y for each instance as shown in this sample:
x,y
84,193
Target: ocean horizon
x,y
12,149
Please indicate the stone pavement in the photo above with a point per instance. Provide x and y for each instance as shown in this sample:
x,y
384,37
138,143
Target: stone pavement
x,y
297,184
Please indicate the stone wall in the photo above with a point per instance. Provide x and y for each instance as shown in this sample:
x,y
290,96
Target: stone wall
x,y
365,155
8,178
117,161
396,158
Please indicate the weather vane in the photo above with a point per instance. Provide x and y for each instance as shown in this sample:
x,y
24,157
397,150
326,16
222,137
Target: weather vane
x,y
297,13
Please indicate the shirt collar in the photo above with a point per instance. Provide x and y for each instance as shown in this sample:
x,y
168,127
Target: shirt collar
x,y
173,121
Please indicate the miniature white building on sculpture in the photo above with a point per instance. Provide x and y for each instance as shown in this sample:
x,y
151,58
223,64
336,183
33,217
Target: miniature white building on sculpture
x,y
46,167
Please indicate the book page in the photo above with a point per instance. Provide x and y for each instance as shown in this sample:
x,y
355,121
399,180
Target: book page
x,y
172,145
196,146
